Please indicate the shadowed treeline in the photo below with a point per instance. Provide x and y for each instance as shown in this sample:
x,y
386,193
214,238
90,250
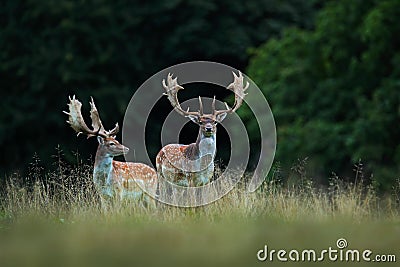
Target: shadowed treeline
x,y
329,69
335,90
106,49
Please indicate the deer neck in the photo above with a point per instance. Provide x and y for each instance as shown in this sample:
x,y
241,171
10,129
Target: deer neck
x,y
102,173
206,145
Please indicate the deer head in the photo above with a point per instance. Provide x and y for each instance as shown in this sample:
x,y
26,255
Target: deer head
x,y
106,139
207,122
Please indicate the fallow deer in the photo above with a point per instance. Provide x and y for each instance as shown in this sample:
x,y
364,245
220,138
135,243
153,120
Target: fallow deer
x,y
193,165
111,178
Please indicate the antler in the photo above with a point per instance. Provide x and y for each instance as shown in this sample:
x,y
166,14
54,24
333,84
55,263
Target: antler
x,y
96,122
172,87
239,90
77,122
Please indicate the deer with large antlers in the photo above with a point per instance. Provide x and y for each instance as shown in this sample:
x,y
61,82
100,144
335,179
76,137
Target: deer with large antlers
x,y
193,165
111,178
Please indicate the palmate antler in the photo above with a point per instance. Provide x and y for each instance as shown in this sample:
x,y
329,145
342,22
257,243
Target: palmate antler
x,y
172,87
238,89
77,122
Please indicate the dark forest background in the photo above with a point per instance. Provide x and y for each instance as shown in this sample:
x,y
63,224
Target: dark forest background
x,y
329,69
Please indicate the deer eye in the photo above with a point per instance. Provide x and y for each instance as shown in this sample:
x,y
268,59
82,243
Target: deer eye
x,y
112,144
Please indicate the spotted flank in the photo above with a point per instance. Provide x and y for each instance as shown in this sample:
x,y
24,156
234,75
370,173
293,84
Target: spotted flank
x,y
132,177
173,164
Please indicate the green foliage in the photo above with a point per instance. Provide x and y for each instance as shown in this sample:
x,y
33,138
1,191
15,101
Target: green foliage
x,y
52,49
335,90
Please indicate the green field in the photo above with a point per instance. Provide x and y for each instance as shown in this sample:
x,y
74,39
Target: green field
x,y
59,221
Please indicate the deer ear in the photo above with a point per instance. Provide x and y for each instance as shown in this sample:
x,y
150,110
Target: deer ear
x,y
100,140
221,117
194,118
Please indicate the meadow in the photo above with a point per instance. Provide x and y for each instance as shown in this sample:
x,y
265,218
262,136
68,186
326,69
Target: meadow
x,y
56,218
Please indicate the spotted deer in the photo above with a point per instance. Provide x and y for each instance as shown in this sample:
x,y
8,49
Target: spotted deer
x,y
193,165
111,178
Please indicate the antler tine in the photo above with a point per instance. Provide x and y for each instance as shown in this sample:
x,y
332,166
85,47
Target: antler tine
x,y
94,115
213,106
200,107
77,122
96,122
172,87
114,131
239,90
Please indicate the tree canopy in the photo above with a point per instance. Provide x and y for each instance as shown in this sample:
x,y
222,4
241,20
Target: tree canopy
x,y
52,49
335,90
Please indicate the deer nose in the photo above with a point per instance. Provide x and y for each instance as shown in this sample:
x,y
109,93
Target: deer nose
x,y
126,150
208,129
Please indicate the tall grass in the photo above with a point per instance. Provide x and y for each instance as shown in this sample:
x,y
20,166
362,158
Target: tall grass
x,y
60,211
68,192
